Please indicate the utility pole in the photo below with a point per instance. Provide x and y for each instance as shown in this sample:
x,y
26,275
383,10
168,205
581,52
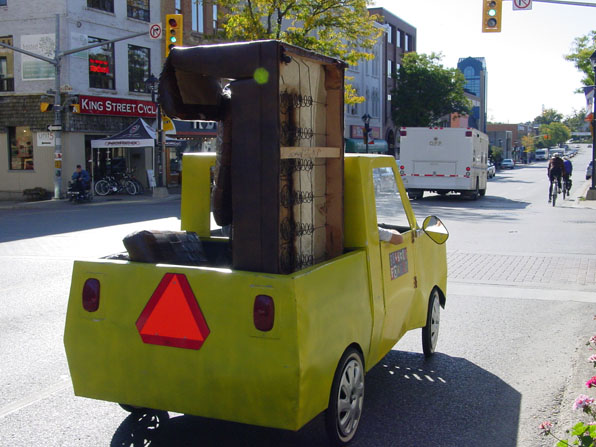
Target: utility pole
x,y
57,107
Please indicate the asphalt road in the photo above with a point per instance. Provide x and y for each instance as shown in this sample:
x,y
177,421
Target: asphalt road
x,y
511,352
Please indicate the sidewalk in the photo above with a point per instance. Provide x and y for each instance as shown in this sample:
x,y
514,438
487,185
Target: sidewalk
x,y
173,194
581,198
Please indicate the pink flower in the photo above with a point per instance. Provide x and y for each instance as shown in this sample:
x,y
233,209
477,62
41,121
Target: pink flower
x,y
592,358
593,339
582,402
591,383
545,428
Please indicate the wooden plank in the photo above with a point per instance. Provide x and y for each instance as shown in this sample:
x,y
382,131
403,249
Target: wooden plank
x,y
310,152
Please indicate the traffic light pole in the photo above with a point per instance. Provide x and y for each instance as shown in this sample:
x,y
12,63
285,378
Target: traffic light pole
x,y
57,107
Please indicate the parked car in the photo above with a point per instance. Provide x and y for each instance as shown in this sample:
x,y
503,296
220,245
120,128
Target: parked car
x,y
508,163
490,170
589,171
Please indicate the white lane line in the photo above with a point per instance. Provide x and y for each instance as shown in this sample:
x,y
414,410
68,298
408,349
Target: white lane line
x,y
36,397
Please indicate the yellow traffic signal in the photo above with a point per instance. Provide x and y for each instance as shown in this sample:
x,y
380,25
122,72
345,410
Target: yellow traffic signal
x,y
46,106
173,33
491,16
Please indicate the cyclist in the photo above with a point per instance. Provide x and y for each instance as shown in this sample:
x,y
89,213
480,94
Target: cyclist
x,y
567,173
556,167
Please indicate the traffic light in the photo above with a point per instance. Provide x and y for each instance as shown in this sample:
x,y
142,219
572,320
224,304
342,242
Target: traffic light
x,y
173,32
46,106
491,16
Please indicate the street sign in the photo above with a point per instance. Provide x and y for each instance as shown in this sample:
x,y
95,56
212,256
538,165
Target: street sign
x,y
55,128
155,31
522,5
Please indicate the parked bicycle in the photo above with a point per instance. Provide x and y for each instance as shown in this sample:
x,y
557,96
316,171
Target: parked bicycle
x,y
112,185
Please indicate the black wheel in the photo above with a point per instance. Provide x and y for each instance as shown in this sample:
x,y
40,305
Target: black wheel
x,y
474,195
131,188
133,409
554,195
346,399
102,188
430,332
482,192
564,190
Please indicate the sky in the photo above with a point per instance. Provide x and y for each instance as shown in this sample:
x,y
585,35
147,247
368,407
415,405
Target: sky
x,y
525,61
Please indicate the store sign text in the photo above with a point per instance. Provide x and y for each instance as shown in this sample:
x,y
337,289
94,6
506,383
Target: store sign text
x,y
97,105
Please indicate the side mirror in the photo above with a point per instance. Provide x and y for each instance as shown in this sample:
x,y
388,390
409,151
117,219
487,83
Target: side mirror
x,y
435,229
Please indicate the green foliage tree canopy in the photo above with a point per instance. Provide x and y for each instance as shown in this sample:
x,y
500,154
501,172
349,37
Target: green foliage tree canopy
x,y
337,28
582,49
427,91
548,116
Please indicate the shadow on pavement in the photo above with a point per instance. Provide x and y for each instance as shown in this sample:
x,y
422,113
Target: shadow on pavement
x,y
410,401
486,202
64,217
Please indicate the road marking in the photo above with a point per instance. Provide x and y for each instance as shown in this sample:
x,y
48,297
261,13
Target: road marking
x,y
518,291
33,398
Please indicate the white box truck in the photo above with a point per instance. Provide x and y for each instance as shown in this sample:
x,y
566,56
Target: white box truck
x,y
443,160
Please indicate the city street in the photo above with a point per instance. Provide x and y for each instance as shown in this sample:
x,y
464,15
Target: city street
x,y
521,302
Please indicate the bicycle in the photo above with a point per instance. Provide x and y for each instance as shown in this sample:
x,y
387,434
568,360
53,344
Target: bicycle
x,y
554,186
110,185
566,186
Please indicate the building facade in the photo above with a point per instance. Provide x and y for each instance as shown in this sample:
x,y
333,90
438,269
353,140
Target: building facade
x,y
368,82
400,38
474,71
105,83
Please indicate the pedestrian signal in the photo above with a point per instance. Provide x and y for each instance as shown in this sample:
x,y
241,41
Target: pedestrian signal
x,y
491,16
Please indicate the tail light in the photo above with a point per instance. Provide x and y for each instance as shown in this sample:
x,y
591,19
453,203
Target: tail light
x,y
91,295
402,167
403,133
468,168
468,133
263,313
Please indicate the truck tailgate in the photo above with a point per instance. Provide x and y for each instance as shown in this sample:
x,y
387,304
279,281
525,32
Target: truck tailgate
x,y
225,368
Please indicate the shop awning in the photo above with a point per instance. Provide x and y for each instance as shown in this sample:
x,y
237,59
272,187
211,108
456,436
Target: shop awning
x,y
356,145
138,134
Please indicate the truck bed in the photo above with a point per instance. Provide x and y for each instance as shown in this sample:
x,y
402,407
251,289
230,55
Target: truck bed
x,y
280,378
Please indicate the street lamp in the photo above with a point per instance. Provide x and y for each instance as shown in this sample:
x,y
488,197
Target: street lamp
x,y
366,120
592,191
152,84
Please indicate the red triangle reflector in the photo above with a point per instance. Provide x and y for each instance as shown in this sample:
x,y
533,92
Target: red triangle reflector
x,y
172,316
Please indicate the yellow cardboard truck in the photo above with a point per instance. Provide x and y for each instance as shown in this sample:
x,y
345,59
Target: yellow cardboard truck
x,y
271,350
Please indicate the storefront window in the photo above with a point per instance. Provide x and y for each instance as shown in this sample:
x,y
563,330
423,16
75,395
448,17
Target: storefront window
x,y
20,143
138,9
138,68
104,5
101,65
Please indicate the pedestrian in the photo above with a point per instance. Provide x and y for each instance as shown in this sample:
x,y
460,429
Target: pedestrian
x,y
80,179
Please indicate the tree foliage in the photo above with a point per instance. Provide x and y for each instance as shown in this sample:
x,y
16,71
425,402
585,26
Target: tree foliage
x,y
576,121
337,28
548,116
528,142
427,91
557,133
582,49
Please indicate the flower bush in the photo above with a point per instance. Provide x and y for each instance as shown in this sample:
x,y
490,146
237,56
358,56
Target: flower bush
x,y
583,433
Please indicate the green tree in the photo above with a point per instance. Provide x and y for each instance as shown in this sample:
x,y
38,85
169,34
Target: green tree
x,y
576,121
557,133
527,141
426,91
582,49
548,116
337,28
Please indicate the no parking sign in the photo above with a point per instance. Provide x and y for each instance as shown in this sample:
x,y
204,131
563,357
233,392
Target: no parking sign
x,y
522,5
